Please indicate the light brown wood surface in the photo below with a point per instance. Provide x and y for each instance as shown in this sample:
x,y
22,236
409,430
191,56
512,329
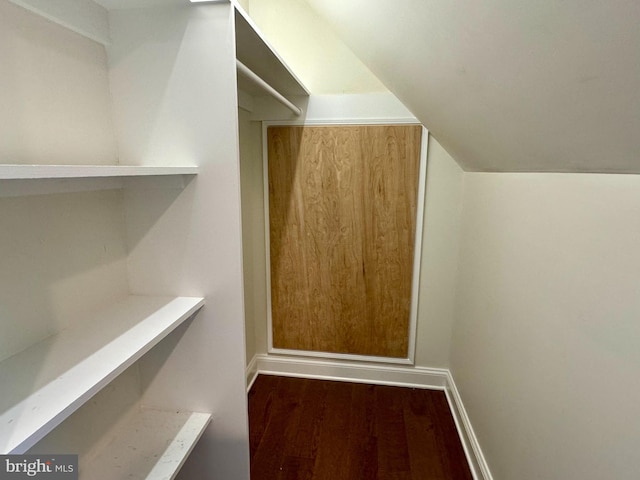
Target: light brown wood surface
x,y
342,209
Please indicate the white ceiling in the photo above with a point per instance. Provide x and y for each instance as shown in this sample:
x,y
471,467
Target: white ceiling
x,y
509,85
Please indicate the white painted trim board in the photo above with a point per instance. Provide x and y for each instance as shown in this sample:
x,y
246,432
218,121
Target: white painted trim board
x,y
252,372
477,461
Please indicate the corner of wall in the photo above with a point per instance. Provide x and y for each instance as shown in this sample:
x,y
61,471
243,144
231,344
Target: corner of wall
x,y
439,266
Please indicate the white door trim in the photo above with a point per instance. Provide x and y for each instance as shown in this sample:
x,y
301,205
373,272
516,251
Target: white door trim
x,y
415,287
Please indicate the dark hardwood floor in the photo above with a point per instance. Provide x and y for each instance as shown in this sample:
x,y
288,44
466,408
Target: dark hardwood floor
x,y
322,430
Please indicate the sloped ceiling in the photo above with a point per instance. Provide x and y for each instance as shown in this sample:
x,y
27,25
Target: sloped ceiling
x,y
509,85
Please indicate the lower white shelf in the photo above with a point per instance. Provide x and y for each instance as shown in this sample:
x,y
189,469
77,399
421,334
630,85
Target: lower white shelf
x,y
44,384
152,446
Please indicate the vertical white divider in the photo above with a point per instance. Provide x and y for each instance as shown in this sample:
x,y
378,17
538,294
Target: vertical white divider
x,y
173,79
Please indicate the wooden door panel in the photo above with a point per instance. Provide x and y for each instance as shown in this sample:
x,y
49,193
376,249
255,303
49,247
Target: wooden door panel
x,y
342,209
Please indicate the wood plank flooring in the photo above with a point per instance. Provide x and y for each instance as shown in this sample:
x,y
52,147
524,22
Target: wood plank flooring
x,y
303,429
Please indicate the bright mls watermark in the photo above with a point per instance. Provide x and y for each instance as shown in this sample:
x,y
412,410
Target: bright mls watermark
x,y
51,467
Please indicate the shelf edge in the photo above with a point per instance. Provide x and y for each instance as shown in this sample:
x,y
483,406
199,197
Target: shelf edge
x,y
34,172
181,447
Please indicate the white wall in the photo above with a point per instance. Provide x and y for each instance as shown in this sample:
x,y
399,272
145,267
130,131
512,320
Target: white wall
x,y
244,4
545,347
54,93
439,262
306,42
85,17
52,247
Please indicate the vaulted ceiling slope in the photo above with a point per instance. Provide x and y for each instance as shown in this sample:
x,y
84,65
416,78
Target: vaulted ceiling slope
x,y
509,85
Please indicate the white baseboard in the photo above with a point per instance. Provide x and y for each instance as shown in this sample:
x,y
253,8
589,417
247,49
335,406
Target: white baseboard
x,y
252,372
381,374
475,457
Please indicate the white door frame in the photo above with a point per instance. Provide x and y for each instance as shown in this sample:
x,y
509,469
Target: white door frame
x,y
415,287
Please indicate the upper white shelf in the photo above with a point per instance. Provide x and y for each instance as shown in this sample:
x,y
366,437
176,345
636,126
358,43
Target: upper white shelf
x,y
26,172
253,50
47,382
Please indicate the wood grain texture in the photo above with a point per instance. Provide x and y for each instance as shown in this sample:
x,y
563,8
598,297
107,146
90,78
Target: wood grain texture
x,y
316,429
342,209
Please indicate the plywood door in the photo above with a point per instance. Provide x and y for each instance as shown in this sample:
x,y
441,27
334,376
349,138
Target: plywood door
x,y
342,211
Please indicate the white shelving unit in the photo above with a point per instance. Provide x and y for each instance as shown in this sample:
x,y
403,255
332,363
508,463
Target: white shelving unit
x,y
53,378
153,445
163,87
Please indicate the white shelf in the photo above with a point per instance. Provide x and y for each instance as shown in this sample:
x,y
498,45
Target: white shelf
x,y
152,446
28,172
47,382
253,50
